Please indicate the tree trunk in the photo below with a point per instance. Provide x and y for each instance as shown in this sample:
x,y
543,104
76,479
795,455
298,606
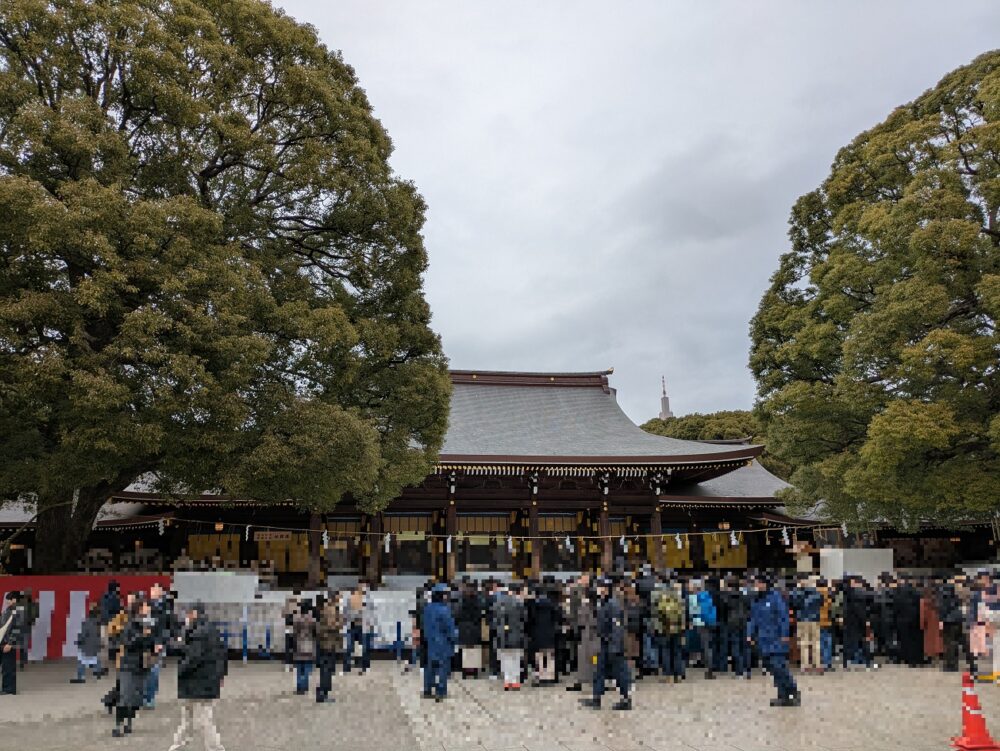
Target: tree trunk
x,y
62,531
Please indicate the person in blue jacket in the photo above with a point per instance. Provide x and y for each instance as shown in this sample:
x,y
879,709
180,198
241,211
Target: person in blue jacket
x,y
440,634
701,607
768,628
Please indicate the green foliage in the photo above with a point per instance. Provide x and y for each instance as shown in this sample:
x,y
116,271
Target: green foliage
x,y
876,348
718,426
208,271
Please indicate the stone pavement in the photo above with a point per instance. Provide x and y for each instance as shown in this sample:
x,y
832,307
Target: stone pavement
x,y
894,708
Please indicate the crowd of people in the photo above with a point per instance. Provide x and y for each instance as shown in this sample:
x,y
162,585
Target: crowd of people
x,y
631,627
135,632
582,633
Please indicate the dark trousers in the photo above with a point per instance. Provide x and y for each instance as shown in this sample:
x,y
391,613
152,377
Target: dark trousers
x,y
565,656
671,653
8,671
886,641
436,676
911,643
856,649
356,635
739,650
720,647
327,662
613,666
777,666
707,638
952,635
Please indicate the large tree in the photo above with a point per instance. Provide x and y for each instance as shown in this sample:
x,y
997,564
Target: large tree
x,y
876,347
209,272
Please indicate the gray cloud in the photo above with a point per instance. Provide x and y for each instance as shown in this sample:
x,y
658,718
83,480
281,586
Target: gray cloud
x,y
609,183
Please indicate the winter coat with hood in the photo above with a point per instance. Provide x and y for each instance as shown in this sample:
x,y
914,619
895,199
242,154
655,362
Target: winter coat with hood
x,y
203,663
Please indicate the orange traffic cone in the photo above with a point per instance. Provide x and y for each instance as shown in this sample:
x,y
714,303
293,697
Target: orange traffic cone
x,y
975,736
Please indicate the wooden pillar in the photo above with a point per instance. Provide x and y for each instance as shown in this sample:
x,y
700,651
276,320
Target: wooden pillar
x,y
373,571
435,544
655,543
536,545
604,525
314,575
494,552
451,528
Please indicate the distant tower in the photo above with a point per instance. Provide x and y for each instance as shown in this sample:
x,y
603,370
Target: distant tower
x,y
665,412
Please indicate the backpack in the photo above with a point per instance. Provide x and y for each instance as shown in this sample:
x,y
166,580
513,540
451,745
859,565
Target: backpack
x,y
669,615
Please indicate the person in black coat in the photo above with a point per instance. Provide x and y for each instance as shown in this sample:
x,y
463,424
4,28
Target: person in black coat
x,y
857,618
200,675
469,618
611,658
136,645
111,603
735,604
908,632
949,607
543,622
883,619
644,587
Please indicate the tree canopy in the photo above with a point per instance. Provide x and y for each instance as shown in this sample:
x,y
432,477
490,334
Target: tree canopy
x,y
715,426
724,425
209,272
876,348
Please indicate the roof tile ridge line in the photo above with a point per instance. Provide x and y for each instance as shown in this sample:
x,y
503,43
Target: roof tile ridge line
x,y
512,378
532,373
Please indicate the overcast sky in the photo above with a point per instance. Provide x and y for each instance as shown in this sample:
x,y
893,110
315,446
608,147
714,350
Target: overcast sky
x,y
609,183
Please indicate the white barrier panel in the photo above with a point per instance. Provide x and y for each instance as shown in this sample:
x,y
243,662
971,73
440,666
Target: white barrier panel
x,y
43,626
215,586
74,620
392,607
835,563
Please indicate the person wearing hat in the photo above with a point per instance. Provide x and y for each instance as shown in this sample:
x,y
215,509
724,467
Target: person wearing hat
x,y
11,628
611,658
769,629
440,635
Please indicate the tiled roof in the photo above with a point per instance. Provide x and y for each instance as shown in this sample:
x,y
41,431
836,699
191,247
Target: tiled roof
x,y
527,417
752,481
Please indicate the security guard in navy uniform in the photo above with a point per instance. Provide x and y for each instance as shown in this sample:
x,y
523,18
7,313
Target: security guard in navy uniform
x,y
11,628
611,662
